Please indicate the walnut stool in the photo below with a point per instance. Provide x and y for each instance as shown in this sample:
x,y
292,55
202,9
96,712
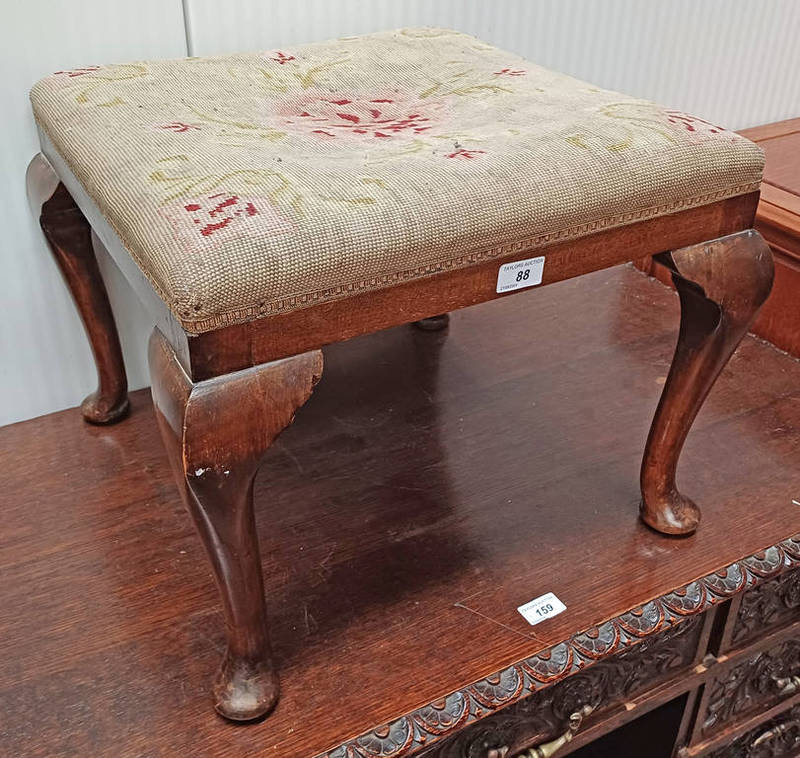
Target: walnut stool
x,y
264,205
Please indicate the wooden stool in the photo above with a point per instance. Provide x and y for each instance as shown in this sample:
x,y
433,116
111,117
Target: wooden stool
x,y
264,205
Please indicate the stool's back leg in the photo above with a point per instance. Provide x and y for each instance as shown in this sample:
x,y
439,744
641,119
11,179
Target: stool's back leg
x,y
433,323
722,284
69,237
216,433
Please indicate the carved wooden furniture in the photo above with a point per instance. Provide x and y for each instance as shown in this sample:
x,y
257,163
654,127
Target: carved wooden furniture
x,y
266,205
399,540
740,663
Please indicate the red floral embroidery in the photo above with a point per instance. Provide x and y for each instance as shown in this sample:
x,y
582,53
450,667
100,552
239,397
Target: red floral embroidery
x,y
692,123
466,155
281,58
78,71
211,220
510,72
699,130
371,118
177,126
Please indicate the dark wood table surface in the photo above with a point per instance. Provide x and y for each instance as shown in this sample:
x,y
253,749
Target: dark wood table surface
x,y
434,482
778,220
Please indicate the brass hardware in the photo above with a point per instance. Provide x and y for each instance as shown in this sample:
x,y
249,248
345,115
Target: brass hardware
x,y
787,685
549,749
773,733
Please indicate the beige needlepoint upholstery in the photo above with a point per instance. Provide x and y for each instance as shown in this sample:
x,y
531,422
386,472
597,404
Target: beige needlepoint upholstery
x,y
260,183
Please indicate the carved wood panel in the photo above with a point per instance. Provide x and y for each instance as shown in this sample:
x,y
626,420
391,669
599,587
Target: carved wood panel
x,y
606,684
778,738
416,731
753,686
771,604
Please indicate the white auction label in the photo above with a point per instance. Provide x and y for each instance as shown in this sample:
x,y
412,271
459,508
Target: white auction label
x,y
542,608
515,276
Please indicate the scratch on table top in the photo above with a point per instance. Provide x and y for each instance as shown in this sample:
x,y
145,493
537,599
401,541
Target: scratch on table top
x,y
528,636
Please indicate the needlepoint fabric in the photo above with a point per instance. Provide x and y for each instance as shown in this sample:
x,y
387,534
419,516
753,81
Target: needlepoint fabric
x,y
254,184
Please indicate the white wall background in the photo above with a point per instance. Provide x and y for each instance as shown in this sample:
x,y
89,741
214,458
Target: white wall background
x,y
734,62
45,361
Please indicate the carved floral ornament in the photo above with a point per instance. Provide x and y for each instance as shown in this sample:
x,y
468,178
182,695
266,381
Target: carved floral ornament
x,y
418,730
752,686
563,707
777,738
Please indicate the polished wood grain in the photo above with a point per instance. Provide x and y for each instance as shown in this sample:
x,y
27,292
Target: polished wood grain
x,y
69,237
216,433
721,284
398,533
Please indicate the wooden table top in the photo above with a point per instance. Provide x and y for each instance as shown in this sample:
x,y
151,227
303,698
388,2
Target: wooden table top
x,y
434,482
781,144
779,210
778,220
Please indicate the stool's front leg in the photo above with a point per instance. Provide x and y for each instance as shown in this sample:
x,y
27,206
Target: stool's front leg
x,y
722,284
216,433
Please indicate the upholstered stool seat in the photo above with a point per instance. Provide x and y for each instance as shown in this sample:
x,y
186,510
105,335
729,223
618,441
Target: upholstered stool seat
x,y
250,185
265,205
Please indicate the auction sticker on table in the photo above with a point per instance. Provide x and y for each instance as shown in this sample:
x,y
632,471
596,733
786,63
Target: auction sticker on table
x,y
542,608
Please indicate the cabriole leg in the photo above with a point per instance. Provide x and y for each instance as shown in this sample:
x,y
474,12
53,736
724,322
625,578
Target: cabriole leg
x,y
216,433
69,237
721,284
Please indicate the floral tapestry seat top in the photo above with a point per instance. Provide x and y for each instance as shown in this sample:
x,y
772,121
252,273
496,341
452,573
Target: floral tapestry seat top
x,y
253,184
